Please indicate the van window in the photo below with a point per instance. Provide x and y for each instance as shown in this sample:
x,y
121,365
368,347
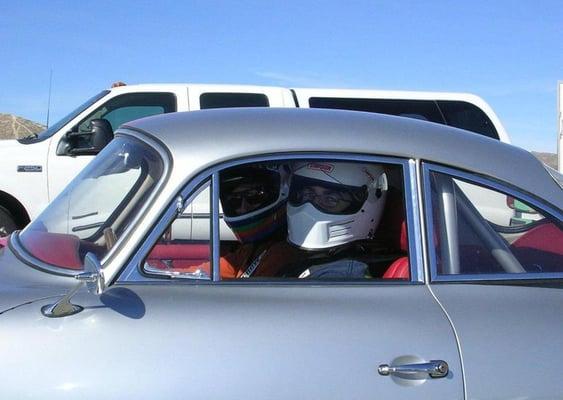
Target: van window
x,y
419,109
228,100
467,116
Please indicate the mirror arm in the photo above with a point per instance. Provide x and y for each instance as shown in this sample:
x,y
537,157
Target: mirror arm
x,y
93,277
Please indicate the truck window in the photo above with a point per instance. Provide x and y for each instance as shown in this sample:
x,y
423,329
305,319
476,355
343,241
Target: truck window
x,y
128,107
228,100
420,109
467,116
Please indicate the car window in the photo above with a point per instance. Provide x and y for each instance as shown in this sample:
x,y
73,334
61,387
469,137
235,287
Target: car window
x,y
184,249
478,230
467,116
293,220
228,100
419,109
128,107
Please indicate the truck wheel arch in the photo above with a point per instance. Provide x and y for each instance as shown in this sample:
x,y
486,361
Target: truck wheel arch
x,y
18,211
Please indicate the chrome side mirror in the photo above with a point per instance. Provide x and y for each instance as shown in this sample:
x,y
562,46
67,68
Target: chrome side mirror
x,y
93,276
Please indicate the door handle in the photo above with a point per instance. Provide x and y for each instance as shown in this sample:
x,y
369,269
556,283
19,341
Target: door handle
x,y
434,368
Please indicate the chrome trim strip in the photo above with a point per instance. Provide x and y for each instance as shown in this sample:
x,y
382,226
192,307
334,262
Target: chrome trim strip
x,y
493,185
132,272
215,240
424,245
414,227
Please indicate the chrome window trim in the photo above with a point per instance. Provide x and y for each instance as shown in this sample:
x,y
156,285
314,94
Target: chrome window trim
x,y
22,254
414,222
489,183
132,271
214,227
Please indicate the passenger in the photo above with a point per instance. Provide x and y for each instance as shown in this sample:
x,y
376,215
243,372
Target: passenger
x,y
254,200
333,206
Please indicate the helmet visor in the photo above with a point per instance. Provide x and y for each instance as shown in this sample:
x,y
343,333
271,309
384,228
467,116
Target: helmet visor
x,y
329,198
246,190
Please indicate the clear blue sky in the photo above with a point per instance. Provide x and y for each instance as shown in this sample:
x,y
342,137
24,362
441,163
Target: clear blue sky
x,y
508,52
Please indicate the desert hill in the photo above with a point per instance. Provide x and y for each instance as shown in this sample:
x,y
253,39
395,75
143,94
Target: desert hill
x,y
13,127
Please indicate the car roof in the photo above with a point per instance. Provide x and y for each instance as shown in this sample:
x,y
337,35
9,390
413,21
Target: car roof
x,y
199,139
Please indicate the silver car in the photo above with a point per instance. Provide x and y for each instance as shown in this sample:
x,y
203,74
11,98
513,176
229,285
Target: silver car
x,y
411,290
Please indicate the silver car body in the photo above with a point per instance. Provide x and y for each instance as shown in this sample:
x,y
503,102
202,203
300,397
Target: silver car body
x,y
147,338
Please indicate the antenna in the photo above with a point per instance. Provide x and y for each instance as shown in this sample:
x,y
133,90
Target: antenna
x,y
49,100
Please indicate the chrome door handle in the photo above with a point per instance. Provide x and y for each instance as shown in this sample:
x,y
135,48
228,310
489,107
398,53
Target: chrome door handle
x,y
434,368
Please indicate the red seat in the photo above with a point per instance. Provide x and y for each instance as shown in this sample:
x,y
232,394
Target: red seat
x,y
179,257
400,268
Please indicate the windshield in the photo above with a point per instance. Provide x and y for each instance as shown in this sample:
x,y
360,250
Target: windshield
x,y
58,125
95,209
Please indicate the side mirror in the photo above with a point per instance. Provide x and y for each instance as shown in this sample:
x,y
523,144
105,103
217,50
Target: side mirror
x,y
102,134
90,142
93,276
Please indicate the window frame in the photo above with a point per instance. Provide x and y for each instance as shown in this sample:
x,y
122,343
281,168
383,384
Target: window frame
x,y
133,271
488,183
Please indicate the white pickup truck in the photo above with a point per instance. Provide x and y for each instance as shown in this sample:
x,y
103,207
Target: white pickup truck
x,y
35,169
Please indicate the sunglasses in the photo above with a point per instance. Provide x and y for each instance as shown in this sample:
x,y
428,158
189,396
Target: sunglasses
x,y
241,202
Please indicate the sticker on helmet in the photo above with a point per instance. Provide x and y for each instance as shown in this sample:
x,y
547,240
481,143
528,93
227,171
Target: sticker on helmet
x,y
321,167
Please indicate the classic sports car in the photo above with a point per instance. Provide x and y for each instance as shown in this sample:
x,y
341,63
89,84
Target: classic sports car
x,y
361,261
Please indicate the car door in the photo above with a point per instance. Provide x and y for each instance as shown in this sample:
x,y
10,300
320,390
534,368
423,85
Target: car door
x,y
500,285
171,327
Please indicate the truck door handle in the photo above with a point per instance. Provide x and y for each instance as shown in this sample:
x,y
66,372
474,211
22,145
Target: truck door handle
x,y
434,368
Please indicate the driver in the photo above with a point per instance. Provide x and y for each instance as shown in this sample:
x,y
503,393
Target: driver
x,y
332,206
254,200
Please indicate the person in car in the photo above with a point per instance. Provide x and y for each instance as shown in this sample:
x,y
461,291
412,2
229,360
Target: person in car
x,y
333,207
254,200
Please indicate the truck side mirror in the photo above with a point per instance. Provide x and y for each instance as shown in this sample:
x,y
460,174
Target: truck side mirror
x,y
102,134
91,142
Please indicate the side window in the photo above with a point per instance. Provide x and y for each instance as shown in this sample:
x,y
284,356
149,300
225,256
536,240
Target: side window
x,y
467,116
478,230
294,220
418,109
184,248
229,100
128,107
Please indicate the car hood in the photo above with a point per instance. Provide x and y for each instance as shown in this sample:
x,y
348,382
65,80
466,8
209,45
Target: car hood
x,y
22,284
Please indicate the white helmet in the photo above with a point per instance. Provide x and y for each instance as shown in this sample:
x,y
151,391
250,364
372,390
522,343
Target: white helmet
x,y
333,203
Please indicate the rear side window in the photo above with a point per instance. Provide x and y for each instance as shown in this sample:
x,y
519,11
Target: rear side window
x,y
479,231
467,116
419,109
229,100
